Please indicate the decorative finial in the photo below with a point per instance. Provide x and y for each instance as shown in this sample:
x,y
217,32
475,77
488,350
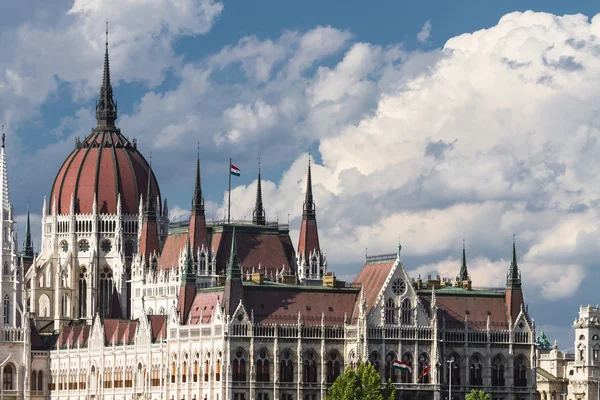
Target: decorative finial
x,y
106,41
399,247
3,136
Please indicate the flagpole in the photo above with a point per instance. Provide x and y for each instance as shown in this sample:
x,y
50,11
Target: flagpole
x,y
229,202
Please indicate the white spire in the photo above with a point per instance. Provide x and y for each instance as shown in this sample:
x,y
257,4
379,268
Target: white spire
x,y
4,198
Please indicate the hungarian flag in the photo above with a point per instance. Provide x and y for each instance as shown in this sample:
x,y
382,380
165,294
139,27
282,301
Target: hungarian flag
x,y
425,371
235,170
402,365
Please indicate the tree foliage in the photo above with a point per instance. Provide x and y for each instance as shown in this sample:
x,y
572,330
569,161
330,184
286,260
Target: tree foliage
x,y
362,384
477,395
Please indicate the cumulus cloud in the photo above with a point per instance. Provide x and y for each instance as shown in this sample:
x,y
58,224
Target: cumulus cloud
x,y
425,32
492,135
495,136
40,54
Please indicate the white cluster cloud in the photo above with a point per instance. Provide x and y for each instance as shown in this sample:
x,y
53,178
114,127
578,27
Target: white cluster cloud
x,y
497,135
425,32
40,54
492,135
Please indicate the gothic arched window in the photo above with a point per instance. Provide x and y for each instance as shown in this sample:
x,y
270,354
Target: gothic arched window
x,y
390,371
333,366
454,370
475,371
82,292
423,368
405,374
374,360
40,381
106,291
5,269
498,371
239,367
33,381
263,373
309,370
65,306
286,369
406,312
6,305
390,311
7,380
520,371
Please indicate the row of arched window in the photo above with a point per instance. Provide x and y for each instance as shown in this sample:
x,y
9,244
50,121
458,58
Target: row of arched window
x,y
392,311
286,367
37,381
402,375
105,291
498,371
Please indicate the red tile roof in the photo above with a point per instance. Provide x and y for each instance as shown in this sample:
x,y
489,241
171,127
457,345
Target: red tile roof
x,y
256,247
119,331
280,304
453,307
169,257
149,239
204,304
158,327
308,240
372,277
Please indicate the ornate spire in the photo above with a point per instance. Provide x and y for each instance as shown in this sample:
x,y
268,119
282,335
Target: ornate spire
x,y
464,273
150,206
309,203
514,276
106,107
188,264
259,210
28,243
4,196
234,264
198,199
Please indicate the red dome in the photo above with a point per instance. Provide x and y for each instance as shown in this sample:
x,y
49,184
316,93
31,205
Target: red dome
x,y
107,164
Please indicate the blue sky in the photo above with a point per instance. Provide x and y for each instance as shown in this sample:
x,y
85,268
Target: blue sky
x,y
417,132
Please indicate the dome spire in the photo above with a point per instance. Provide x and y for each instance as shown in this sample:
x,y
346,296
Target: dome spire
x,y
106,108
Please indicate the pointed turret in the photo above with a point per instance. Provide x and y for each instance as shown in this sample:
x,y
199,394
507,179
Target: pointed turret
x,y
514,292
464,273
513,278
27,242
187,287
259,211
106,108
149,242
234,290
4,196
198,232
311,263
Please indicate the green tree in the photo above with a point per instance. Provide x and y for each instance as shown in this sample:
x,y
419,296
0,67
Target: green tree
x,y
477,395
362,384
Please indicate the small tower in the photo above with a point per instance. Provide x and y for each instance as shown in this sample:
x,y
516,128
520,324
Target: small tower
x,y
234,290
258,217
198,232
149,242
463,277
311,262
514,293
27,253
187,287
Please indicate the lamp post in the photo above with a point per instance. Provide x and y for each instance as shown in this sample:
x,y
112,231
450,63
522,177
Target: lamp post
x,y
450,361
